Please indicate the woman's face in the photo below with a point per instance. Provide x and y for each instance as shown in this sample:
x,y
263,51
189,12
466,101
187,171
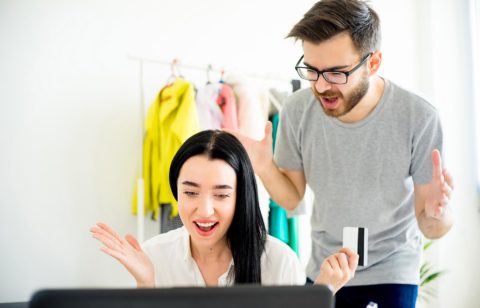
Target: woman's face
x,y
206,199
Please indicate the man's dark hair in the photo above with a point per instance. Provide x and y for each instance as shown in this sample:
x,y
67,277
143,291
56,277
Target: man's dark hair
x,y
328,18
247,234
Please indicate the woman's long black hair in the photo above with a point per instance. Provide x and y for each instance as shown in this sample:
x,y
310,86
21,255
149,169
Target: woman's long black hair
x,y
246,235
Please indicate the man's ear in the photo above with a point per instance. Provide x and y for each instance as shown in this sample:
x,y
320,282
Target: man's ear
x,y
374,62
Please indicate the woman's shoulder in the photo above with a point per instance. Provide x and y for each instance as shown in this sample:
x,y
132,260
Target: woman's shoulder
x,y
275,243
281,265
164,240
279,250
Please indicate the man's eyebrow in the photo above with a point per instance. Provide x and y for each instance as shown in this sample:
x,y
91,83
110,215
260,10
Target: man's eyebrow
x,y
189,183
333,68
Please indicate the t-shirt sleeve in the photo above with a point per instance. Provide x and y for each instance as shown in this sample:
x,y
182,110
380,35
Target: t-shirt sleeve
x,y
427,137
288,154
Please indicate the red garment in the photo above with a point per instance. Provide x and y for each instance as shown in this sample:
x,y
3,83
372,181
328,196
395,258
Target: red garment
x,y
226,101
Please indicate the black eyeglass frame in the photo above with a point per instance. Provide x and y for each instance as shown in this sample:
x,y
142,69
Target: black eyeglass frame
x,y
297,67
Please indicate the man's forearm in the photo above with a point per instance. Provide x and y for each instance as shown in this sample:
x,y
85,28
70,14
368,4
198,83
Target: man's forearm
x,y
434,228
280,188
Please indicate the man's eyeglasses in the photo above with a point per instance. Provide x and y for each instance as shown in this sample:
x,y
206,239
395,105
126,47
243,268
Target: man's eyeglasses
x,y
336,77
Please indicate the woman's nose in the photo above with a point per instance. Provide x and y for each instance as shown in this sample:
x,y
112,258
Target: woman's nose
x,y
205,208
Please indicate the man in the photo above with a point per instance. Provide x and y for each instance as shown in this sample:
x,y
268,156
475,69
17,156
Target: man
x,y
368,149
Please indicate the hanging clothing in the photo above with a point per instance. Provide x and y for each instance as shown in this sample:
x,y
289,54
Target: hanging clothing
x,y
252,114
276,99
280,226
210,114
167,222
171,119
296,84
252,106
226,101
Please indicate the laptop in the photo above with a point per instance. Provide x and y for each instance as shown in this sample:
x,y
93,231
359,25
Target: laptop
x,y
236,297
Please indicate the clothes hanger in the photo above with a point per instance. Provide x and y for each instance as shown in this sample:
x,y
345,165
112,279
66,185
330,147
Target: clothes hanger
x,y
222,72
209,70
174,72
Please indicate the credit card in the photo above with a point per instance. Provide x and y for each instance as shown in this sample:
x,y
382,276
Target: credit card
x,y
356,238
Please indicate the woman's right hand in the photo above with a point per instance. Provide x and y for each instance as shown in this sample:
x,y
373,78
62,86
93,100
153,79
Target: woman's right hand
x,y
128,252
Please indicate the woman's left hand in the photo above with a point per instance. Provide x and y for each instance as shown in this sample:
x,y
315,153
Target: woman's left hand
x,y
338,269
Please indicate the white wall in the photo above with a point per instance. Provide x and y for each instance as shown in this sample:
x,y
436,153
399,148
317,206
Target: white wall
x,y
439,66
452,80
69,117
68,144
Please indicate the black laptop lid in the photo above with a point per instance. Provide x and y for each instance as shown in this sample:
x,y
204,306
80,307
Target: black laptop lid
x,y
237,296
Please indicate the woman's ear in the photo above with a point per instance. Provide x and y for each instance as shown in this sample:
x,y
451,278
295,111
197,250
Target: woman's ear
x,y
374,62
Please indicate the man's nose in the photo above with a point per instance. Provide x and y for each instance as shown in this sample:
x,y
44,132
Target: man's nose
x,y
321,85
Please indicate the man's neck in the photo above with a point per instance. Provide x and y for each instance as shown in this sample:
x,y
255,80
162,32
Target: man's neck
x,y
367,104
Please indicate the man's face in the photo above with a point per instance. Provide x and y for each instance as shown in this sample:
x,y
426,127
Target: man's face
x,y
337,54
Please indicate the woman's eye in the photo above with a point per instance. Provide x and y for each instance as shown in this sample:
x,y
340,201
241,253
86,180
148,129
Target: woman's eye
x,y
222,196
190,193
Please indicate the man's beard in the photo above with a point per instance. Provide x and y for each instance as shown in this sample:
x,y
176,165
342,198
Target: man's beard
x,y
349,101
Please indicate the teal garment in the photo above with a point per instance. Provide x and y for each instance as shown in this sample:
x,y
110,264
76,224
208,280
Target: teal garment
x,y
293,233
278,222
281,227
275,120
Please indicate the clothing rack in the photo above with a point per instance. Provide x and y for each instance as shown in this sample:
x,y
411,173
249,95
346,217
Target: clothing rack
x,y
174,64
209,67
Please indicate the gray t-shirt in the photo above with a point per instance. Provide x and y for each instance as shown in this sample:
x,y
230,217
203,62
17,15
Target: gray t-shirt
x,y
362,175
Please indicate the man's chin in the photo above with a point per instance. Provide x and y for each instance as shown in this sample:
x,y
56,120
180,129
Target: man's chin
x,y
334,113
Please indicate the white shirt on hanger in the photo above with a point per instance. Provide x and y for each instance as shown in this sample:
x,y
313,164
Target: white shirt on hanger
x,y
174,266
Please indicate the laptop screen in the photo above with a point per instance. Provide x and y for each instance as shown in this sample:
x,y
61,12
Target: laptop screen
x,y
238,296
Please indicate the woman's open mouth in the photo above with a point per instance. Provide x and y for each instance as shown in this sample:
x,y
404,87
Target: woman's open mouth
x,y
205,228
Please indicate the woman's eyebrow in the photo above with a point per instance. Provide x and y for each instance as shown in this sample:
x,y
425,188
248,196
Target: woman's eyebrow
x,y
223,187
189,183
193,184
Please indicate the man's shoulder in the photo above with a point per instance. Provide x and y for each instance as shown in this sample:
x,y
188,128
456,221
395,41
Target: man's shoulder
x,y
298,104
299,98
410,99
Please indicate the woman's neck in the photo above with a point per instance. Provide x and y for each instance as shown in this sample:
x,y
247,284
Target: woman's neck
x,y
212,261
206,254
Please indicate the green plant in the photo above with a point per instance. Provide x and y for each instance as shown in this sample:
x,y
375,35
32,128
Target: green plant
x,y
427,275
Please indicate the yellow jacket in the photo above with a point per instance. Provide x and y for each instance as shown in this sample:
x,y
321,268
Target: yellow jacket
x,y
171,119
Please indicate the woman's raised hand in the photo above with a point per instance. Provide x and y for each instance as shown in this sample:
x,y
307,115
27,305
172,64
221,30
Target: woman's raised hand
x,y
128,252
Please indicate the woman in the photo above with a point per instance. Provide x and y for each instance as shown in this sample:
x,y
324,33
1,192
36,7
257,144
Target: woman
x,y
223,241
